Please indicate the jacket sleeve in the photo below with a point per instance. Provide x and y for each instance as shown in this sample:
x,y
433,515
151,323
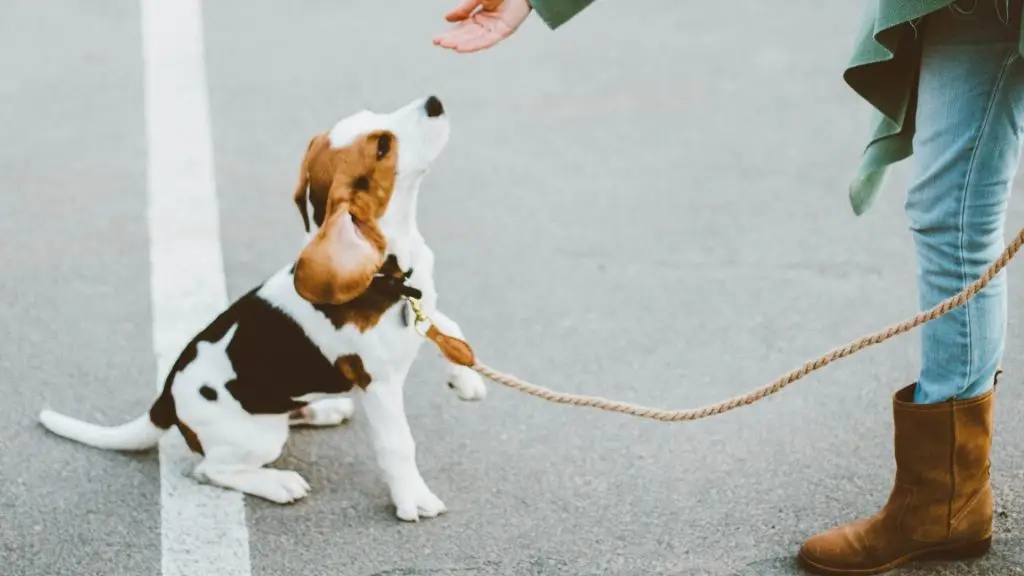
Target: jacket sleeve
x,y
554,13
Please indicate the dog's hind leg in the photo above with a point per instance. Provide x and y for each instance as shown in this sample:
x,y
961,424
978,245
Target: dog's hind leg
x,y
235,453
324,412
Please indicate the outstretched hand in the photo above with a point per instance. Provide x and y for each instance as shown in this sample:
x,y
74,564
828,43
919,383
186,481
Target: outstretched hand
x,y
482,23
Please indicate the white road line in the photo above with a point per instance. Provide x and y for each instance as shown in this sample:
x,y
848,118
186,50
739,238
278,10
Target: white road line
x,y
203,529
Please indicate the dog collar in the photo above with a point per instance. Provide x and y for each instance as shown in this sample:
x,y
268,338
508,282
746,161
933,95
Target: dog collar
x,y
398,286
393,281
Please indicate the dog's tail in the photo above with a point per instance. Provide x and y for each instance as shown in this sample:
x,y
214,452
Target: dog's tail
x,y
140,434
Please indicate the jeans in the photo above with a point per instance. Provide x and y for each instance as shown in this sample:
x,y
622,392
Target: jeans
x,y
967,144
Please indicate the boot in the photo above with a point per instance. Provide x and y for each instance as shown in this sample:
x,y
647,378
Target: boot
x,y
940,506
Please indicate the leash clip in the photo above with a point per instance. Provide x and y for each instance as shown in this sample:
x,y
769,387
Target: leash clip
x,y
420,319
455,350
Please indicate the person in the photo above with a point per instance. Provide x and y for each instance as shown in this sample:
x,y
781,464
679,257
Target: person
x,y
945,80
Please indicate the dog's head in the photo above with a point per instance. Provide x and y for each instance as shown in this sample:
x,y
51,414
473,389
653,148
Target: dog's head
x,y
353,182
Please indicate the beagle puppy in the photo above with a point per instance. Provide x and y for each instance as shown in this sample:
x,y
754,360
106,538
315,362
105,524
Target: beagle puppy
x,y
332,322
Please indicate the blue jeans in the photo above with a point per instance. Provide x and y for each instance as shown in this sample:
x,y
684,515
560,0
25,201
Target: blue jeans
x,y
969,121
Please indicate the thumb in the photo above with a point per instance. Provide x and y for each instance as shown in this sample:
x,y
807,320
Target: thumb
x,y
462,11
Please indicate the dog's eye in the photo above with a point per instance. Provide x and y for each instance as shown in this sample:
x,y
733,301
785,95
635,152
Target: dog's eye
x,y
383,145
361,183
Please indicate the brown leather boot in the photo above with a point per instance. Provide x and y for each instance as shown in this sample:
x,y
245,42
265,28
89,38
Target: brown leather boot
x,y
940,506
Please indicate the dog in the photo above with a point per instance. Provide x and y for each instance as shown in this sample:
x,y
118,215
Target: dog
x,y
334,321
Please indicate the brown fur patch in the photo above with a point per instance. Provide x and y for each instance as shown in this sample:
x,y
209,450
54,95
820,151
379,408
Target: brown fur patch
x,y
351,367
163,414
365,310
361,175
355,181
190,438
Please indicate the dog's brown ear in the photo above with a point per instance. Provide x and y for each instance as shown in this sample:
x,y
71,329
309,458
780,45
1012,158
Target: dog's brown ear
x,y
302,191
339,263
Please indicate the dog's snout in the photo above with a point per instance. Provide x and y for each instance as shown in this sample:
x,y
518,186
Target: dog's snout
x,y
433,107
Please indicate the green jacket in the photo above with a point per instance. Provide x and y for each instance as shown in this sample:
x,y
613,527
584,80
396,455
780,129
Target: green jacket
x,y
884,77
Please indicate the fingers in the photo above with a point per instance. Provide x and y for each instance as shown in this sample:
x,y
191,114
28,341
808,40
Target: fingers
x,y
465,33
479,39
463,10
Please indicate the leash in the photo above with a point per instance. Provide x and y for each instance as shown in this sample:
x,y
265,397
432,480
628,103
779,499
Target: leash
x,y
459,352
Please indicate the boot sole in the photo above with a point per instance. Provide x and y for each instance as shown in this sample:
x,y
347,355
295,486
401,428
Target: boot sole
x,y
948,553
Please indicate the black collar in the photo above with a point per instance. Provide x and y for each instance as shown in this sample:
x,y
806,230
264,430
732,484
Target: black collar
x,y
391,280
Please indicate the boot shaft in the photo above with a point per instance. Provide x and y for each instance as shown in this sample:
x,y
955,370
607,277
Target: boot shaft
x,y
942,464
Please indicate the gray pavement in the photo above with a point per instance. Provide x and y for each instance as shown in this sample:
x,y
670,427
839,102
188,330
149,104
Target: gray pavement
x,y
647,205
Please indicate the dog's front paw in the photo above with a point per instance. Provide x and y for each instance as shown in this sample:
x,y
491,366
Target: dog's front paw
x,y
411,505
467,384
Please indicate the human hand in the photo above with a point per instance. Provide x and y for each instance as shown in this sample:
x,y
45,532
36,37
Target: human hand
x,y
480,29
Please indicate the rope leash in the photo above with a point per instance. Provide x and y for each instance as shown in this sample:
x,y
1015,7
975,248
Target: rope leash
x,y
459,352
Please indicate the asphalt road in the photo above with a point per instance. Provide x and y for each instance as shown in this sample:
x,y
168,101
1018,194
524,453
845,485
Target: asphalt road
x,y
647,205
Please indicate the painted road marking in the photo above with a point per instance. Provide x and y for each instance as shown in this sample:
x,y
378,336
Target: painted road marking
x,y
203,528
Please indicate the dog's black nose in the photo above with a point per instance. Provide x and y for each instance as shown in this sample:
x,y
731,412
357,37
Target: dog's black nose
x,y
433,107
